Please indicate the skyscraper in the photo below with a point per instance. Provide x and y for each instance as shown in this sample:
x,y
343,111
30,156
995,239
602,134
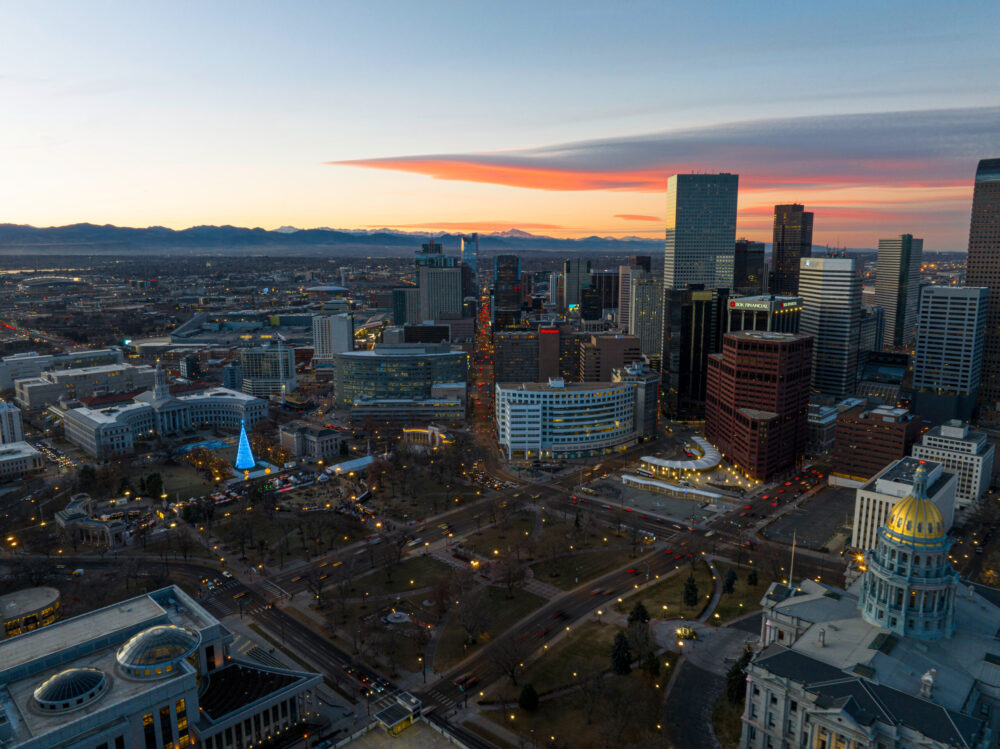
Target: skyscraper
x,y
645,313
506,291
897,286
831,312
10,423
638,265
268,370
470,251
701,230
440,292
983,269
792,241
748,268
948,361
576,274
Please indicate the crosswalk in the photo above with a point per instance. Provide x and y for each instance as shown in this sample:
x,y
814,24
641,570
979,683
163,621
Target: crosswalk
x,y
442,699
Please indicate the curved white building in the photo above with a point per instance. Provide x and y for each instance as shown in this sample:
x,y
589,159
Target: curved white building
x,y
565,420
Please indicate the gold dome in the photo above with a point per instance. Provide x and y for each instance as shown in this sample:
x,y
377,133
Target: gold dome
x,y
915,517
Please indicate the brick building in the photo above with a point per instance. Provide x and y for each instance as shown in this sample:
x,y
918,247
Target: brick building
x,y
866,439
757,400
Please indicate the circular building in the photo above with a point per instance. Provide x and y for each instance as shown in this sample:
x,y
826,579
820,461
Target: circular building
x,y
909,587
28,609
71,689
157,651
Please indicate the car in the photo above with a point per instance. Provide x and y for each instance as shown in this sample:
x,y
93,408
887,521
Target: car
x,y
560,615
228,575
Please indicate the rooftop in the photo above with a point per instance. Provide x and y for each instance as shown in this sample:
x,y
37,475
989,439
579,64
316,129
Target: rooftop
x,y
17,450
26,601
237,685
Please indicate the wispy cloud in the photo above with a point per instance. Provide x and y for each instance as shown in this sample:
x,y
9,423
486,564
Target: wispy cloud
x,y
917,148
472,225
636,217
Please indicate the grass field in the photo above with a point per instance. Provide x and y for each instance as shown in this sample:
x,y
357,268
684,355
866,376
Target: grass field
x,y
743,600
504,613
589,643
495,538
576,569
412,573
665,599
727,723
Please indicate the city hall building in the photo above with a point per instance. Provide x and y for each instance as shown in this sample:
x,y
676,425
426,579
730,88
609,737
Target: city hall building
x,y
151,672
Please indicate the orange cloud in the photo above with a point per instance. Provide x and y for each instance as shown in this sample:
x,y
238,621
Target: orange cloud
x,y
636,217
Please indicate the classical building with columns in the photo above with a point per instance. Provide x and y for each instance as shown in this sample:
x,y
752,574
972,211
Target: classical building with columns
x,y
907,656
113,430
156,671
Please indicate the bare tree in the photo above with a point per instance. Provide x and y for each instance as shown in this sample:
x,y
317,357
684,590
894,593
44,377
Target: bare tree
x,y
507,656
510,573
592,682
315,580
474,614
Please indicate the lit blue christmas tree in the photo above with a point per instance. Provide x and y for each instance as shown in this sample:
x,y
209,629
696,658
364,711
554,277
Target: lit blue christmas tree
x,y
244,455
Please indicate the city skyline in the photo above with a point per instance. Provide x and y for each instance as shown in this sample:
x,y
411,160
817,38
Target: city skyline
x,y
208,116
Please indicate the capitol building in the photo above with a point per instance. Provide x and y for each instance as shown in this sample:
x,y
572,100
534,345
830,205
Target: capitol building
x,y
907,656
114,430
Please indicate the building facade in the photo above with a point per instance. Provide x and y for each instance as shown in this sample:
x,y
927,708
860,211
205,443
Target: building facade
x,y
32,364
645,313
268,370
10,423
506,309
757,400
311,441
949,357
964,452
792,241
701,230
17,459
748,268
897,287
576,277
81,382
396,371
564,420
831,311
332,334
868,439
602,354
152,672
982,268
777,314
441,292
469,252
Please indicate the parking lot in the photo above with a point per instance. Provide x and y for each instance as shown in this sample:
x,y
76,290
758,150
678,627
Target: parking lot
x,y
816,523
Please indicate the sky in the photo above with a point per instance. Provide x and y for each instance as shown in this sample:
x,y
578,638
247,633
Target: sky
x,y
560,117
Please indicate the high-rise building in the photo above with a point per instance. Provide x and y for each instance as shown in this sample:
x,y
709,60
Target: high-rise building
x,y
332,334
694,321
406,305
401,371
638,266
701,230
232,376
10,423
645,313
590,304
831,311
268,370
190,367
897,287
440,292
779,314
647,390
948,364
748,268
872,329
966,453
982,268
470,252
506,291
757,400
641,261
602,354
576,277
866,439
792,241
606,283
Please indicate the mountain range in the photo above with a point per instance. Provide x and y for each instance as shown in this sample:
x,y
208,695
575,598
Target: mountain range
x,y
232,240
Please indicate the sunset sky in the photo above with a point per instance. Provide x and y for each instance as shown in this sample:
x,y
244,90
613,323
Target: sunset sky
x,y
561,118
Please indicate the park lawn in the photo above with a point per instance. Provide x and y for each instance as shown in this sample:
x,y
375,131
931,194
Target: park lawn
x,y
665,599
561,722
594,538
505,613
413,573
727,723
589,643
743,600
495,538
567,572
181,481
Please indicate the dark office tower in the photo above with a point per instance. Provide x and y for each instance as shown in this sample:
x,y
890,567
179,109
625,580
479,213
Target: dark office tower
x,y
897,287
590,303
470,251
694,322
431,247
506,291
606,282
748,268
641,261
983,269
576,274
793,236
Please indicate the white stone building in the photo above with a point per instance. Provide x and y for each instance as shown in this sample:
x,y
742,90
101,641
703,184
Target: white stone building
x,y
965,453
